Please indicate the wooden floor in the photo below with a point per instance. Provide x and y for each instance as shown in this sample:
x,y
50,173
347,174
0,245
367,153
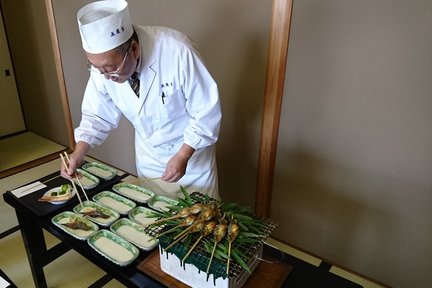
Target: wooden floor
x,y
73,270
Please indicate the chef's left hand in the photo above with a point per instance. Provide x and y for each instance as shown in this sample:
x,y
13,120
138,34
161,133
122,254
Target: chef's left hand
x,y
176,166
175,169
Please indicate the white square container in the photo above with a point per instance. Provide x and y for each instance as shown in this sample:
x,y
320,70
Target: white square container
x,y
192,276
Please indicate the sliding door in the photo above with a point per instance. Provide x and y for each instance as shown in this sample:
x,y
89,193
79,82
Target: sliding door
x,y
11,117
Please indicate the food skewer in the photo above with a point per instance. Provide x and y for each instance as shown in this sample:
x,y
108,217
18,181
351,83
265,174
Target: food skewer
x,y
196,208
233,231
186,230
195,227
188,221
206,230
182,214
208,212
223,227
71,180
219,233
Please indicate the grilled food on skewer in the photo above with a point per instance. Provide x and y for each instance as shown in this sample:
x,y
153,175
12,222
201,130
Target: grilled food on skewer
x,y
196,208
233,232
219,233
209,212
206,230
182,214
235,229
195,227
186,222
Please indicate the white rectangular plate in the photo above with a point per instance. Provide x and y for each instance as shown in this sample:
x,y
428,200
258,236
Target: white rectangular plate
x,y
114,201
134,192
100,170
113,215
113,247
162,203
87,180
141,214
134,233
68,216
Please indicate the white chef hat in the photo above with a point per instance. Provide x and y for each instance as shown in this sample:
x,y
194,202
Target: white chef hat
x,y
104,25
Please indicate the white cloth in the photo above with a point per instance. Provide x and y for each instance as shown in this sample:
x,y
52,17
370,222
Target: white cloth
x,y
104,25
178,103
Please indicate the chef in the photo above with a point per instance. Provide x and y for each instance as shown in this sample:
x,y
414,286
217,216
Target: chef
x,y
156,78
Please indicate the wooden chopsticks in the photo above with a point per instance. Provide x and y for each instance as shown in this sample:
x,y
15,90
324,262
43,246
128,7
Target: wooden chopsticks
x,y
66,164
77,177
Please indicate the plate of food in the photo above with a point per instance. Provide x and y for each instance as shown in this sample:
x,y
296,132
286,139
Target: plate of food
x,y
114,201
100,170
59,195
113,247
97,213
75,225
162,203
134,192
142,215
134,233
87,180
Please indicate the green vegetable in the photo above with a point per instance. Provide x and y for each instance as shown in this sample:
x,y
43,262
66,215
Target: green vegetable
x,y
64,188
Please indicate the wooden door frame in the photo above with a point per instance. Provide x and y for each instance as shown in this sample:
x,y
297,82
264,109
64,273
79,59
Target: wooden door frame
x,y
273,94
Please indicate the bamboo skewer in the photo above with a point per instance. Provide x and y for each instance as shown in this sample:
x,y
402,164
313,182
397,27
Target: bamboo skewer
x,y
149,179
219,233
207,229
175,242
185,212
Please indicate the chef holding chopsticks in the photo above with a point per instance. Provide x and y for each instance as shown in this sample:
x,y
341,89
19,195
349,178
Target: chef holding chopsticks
x,y
175,111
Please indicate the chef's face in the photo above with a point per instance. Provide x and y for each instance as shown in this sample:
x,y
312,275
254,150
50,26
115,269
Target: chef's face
x,y
117,64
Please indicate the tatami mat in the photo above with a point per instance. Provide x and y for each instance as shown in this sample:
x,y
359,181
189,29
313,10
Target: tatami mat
x,y
317,262
24,148
7,214
71,270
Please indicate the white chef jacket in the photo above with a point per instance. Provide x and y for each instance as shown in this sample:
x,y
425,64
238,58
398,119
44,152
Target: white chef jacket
x,y
178,103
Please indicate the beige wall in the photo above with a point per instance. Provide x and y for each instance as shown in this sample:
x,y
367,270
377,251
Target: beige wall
x,y
32,55
353,176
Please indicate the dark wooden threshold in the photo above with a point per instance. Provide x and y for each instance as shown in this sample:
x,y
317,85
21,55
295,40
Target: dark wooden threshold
x,y
9,232
31,164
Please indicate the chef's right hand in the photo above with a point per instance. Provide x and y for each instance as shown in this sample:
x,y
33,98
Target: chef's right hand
x,y
74,163
76,159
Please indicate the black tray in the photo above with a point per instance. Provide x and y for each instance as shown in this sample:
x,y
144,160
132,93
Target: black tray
x,y
53,180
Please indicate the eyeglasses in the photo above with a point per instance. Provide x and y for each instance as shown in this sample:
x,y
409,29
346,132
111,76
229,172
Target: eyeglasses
x,y
112,74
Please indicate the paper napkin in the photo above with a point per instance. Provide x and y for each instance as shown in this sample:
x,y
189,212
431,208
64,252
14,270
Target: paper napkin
x,y
25,190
